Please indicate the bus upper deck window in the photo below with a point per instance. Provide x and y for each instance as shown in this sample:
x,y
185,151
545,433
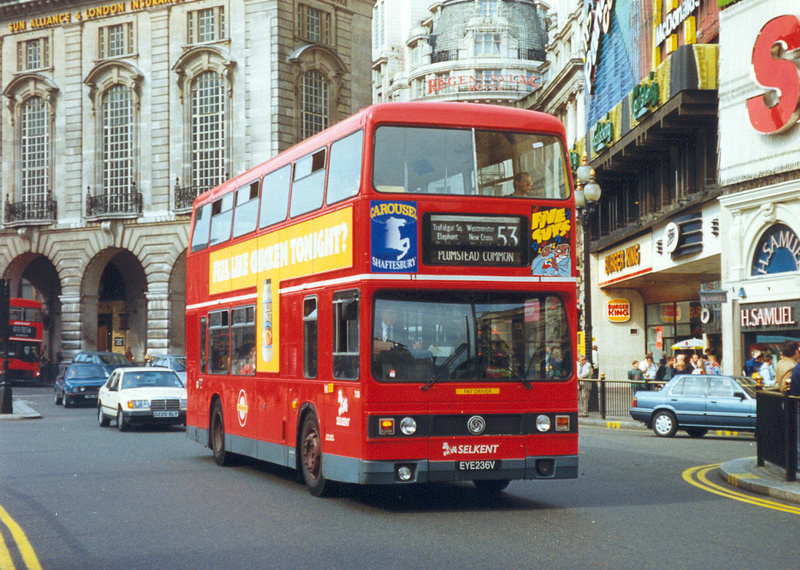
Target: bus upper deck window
x,y
344,172
202,226
245,215
308,184
276,196
221,218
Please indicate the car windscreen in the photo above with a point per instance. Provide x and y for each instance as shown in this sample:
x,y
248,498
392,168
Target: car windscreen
x,y
148,379
179,364
85,372
114,359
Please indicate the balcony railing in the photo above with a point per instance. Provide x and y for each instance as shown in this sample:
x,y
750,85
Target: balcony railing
x,y
31,210
185,195
444,55
119,203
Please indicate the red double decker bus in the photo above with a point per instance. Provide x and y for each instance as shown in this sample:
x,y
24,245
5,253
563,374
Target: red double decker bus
x,y
24,344
392,301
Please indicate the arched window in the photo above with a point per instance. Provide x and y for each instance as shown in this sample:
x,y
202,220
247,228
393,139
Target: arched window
x,y
314,105
34,150
208,110
117,145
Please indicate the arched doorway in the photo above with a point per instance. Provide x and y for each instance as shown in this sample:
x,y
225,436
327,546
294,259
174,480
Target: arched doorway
x,y
114,304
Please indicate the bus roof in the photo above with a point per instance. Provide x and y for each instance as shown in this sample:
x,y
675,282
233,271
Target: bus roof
x,y
446,114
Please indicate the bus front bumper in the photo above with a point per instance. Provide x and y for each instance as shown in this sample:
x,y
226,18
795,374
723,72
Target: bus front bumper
x,y
424,471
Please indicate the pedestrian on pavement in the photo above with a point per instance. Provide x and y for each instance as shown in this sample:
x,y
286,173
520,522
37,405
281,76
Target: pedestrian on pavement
x,y
695,366
643,362
790,353
595,362
766,372
680,364
650,370
584,386
754,364
666,371
635,376
712,366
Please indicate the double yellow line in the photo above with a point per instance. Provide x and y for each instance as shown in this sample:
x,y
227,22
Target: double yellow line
x,y
697,476
26,552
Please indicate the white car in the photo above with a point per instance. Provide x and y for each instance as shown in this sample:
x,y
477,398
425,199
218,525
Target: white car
x,y
142,396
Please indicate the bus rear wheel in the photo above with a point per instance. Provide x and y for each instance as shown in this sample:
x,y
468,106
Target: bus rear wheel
x,y
222,457
311,457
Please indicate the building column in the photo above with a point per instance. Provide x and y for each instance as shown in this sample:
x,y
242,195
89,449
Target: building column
x,y
157,321
572,125
71,324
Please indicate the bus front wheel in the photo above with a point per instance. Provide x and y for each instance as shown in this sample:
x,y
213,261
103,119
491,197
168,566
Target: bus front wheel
x,y
311,456
222,457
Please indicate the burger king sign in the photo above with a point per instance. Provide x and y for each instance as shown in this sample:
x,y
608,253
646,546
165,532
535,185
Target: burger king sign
x,y
619,310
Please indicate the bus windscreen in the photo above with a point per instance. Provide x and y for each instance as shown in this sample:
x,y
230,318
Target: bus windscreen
x,y
423,160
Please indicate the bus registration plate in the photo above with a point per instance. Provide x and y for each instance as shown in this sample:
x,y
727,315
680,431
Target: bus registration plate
x,y
487,465
165,414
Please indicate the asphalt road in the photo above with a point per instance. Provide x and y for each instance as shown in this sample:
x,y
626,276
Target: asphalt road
x,y
87,497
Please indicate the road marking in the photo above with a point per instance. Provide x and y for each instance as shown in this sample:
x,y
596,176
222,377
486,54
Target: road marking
x,y
25,549
702,482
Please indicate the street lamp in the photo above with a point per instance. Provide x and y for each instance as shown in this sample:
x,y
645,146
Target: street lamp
x,y
587,194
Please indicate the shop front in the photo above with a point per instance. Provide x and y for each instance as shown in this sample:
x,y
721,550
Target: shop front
x,y
760,177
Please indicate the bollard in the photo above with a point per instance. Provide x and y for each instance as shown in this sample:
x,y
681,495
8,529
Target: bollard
x,y
7,407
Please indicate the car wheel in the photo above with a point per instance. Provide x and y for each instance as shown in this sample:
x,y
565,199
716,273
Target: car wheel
x,y
58,398
311,457
664,424
67,402
491,487
101,417
696,432
222,457
122,425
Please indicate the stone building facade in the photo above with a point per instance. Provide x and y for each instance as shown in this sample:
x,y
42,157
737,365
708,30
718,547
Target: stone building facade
x,y
117,114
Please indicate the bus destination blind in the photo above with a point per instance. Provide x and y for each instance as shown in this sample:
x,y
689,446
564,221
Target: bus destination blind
x,y
459,239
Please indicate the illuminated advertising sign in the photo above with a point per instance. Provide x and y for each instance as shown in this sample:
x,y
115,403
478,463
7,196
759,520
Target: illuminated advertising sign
x,y
774,70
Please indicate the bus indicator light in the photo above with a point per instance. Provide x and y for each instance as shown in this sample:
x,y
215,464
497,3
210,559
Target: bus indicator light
x,y
386,426
562,423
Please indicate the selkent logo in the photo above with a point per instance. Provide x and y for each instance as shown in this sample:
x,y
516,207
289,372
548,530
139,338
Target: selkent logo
x,y
448,449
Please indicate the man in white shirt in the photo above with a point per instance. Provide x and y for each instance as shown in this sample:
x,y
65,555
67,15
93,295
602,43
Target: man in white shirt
x,y
650,369
584,370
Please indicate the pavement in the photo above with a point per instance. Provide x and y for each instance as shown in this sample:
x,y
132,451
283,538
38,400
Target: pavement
x,y
743,473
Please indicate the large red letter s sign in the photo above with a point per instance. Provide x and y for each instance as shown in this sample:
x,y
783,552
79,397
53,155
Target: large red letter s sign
x,y
779,108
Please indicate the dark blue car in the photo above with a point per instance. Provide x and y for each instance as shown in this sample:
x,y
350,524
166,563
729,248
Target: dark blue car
x,y
80,382
696,403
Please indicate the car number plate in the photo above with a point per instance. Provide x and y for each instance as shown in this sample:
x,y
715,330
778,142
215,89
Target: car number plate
x,y
165,414
484,465
91,396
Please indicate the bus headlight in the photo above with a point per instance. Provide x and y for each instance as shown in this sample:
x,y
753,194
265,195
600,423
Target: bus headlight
x,y
543,423
408,426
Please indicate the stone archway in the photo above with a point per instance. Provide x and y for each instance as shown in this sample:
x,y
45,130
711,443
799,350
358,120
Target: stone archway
x,y
177,306
114,304
35,271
